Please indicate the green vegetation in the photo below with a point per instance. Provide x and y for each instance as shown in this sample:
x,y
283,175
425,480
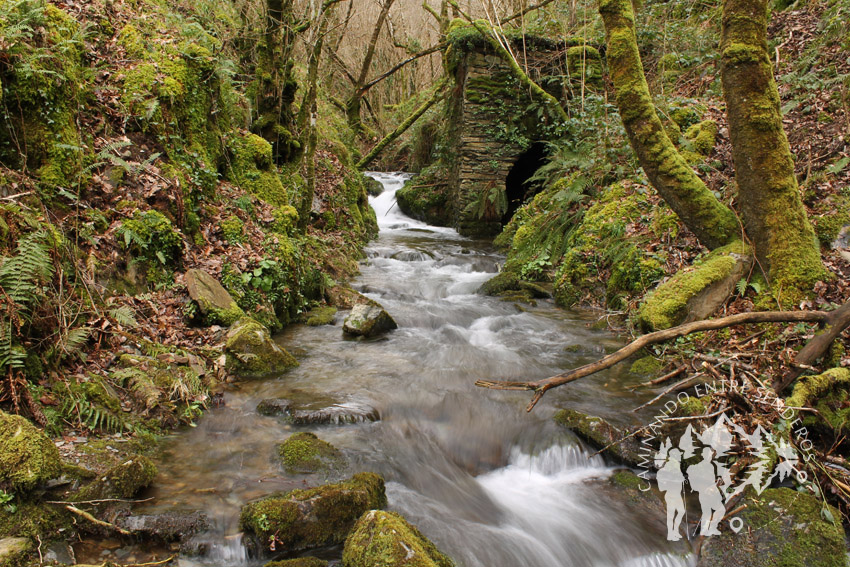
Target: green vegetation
x,y
304,453
386,538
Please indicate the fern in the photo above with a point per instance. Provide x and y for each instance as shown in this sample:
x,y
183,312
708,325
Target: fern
x,y
92,416
22,274
124,316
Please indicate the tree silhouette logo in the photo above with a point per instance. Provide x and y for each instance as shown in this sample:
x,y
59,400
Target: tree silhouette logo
x,y
700,463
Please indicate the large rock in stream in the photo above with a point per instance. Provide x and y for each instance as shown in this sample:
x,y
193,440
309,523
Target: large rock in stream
x,y
780,527
387,539
368,320
316,517
251,352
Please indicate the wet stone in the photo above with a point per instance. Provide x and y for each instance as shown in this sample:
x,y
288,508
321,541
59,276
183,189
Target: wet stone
x,y
170,526
327,413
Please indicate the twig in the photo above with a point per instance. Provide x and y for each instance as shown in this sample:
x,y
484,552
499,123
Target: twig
x,y
680,384
660,380
64,502
92,519
690,417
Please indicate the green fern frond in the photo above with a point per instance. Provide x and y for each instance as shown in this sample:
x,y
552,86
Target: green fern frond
x,y
22,274
124,316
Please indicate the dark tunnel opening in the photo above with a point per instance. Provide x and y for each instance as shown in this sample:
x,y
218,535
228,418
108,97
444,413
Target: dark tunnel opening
x,y
517,190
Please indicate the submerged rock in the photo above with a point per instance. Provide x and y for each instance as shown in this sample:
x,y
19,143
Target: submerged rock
x,y
780,527
121,481
318,412
252,353
215,304
368,320
387,539
316,517
27,456
168,527
601,434
304,453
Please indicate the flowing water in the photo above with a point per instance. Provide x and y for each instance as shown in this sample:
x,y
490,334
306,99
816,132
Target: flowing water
x,y
490,484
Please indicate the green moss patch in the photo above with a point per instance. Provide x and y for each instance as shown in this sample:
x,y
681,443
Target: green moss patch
x,y
27,456
783,528
386,539
251,352
304,453
829,394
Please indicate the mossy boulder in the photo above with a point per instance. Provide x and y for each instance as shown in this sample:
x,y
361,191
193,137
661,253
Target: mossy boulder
x,y
781,527
373,186
320,316
299,562
829,394
500,283
252,353
27,456
602,435
386,539
124,480
368,320
215,305
316,517
695,293
304,453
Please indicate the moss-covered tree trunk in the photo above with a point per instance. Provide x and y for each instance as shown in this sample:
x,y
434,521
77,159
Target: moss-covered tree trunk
x,y
274,89
711,221
768,196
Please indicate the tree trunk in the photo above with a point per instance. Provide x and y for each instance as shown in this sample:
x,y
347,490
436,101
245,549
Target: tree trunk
x,y
309,133
275,86
768,196
711,221
353,103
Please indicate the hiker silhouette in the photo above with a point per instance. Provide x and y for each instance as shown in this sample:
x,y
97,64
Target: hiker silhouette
x,y
702,477
671,482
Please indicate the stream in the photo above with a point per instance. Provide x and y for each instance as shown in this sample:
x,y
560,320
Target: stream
x,y
491,485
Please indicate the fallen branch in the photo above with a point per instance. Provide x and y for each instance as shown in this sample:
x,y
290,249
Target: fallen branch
x,y
835,322
92,519
540,387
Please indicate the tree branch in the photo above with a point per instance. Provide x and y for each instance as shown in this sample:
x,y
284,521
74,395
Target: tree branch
x,y
524,11
540,387
395,68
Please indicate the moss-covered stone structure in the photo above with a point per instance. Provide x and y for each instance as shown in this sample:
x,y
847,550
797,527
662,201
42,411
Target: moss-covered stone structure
x,y
496,133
